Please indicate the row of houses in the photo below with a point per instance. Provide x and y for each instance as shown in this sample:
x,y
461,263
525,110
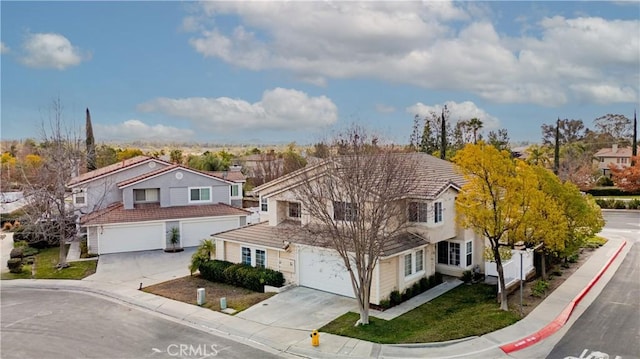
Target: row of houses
x,y
132,205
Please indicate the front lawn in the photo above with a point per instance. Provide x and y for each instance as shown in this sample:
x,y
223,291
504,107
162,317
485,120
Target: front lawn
x,y
465,311
184,290
45,267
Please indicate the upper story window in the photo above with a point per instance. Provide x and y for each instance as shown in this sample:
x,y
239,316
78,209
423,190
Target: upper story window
x,y
345,211
294,210
418,212
199,194
80,198
264,204
601,159
235,191
437,211
146,195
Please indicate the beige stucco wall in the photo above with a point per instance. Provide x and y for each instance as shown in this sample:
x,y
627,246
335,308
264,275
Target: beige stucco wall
x,y
388,270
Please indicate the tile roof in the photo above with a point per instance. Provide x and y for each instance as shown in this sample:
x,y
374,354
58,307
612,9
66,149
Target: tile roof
x,y
263,234
233,176
620,152
109,169
116,213
167,169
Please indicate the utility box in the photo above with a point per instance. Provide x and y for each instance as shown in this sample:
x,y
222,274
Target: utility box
x,y
223,303
200,297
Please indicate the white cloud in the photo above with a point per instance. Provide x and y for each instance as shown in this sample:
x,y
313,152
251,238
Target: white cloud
x,y
49,50
136,129
4,48
438,45
279,109
457,111
382,108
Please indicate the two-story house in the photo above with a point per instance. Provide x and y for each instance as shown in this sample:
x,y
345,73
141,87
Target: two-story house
x,y
433,242
619,156
132,205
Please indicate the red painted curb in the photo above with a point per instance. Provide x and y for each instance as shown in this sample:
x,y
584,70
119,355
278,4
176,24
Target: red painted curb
x,y
562,318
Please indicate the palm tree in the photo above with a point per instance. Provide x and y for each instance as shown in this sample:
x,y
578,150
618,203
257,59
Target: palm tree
x,y
538,156
475,124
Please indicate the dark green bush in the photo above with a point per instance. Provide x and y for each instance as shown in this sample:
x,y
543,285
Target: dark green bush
x,y
424,284
604,181
416,289
539,288
467,276
16,252
395,298
214,270
438,277
385,304
15,265
620,204
407,294
478,276
634,204
241,275
608,191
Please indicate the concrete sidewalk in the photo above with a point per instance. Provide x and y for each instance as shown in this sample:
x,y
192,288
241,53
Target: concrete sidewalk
x,y
296,342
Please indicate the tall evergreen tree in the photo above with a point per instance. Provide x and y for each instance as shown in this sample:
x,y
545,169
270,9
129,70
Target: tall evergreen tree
x,y
634,143
90,144
443,134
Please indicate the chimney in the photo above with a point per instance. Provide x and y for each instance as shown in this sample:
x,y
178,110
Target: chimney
x,y
614,149
235,168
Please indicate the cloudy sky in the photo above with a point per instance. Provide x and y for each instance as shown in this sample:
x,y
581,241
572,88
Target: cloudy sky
x,y
275,71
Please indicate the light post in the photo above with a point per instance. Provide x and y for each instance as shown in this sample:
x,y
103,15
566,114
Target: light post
x,y
521,312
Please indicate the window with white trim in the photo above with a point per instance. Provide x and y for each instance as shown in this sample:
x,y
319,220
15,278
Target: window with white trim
x,y
264,204
235,192
294,210
413,263
80,198
437,211
261,258
199,194
146,195
418,212
469,253
345,211
449,253
246,255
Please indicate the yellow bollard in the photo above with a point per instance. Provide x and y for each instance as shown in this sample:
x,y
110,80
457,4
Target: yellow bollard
x,y
315,338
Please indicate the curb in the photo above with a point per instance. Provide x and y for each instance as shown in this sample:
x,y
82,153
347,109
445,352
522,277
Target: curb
x,y
563,317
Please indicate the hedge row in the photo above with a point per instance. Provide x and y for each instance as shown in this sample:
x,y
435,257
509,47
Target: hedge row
x,y
609,191
240,275
618,204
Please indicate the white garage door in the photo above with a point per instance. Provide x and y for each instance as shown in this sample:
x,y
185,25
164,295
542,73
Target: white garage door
x,y
324,269
193,232
138,237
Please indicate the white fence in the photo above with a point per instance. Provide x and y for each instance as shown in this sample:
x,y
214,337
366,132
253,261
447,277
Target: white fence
x,y
511,268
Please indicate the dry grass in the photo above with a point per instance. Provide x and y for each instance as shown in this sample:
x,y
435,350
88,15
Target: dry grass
x,y
184,290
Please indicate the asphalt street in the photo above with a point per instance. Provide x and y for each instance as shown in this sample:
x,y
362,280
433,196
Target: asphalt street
x,y
610,327
52,324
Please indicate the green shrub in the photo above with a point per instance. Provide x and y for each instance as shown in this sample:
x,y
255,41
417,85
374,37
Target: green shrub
x,y
634,204
16,252
608,191
415,288
595,242
620,204
395,298
539,288
241,275
214,270
424,284
467,276
438,277
19,244
478,276
604,181
385,304
407,294
15,265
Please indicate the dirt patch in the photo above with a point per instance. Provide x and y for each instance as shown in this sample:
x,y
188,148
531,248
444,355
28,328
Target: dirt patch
x,y
556,276
184,289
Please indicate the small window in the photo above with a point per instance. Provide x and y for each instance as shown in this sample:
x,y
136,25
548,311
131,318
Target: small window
x,y
437,209
146,195
234,190
418,212
294,210
264,204
200,194
407,265
419,260
79,198
345,211
246,255
469,253
261,258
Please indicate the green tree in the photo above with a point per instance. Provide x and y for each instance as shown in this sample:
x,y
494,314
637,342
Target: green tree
x,y
176,156
476,125
90,143
106,155
124,154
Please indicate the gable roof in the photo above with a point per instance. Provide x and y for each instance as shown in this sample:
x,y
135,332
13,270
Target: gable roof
x,y
164,170
113,168
262,234
433,175
115,213
619,152
233,176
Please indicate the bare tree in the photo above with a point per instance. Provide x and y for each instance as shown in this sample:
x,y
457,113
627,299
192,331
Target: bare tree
x,y
50,215
354,203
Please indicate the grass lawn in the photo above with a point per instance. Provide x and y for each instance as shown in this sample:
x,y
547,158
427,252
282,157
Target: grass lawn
x,y
184,290
45,267
462,312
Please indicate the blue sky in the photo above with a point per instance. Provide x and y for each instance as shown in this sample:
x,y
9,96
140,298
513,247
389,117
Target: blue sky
x,y
267,72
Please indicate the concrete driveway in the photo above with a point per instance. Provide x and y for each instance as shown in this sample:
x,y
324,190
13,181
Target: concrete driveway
x,y
300,308
146,267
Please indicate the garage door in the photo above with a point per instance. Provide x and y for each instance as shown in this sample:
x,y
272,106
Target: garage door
x,y
324,270
193,232
140,237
